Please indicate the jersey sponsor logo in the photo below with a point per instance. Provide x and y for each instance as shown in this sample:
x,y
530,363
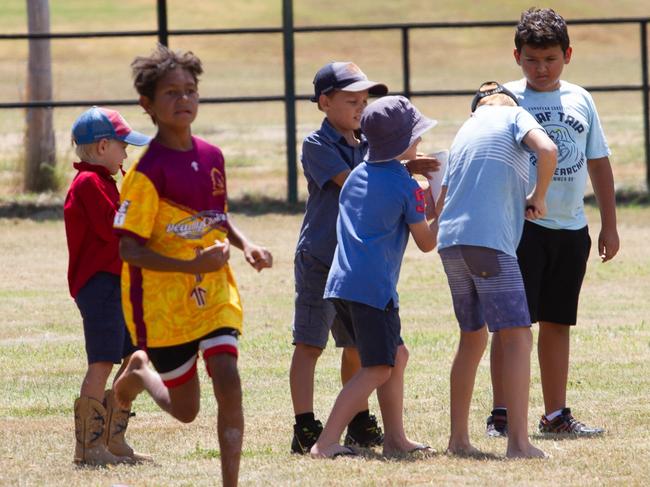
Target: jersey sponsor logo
x,y
195,166
197,226
419,197
120,215
218,182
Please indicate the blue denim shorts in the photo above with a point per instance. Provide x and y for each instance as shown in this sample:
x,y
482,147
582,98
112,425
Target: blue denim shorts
x,y
314,316
486,288
105,332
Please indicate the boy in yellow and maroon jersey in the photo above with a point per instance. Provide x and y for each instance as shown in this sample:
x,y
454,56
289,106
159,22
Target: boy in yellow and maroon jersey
x,y
179,294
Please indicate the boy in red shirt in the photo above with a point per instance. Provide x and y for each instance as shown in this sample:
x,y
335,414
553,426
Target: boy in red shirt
x,y
94,268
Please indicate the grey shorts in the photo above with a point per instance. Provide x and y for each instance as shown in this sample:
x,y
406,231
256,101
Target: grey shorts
x,y
314,317
486,288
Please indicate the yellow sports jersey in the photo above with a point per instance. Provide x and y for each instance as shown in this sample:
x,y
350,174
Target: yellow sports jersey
x,y
175,203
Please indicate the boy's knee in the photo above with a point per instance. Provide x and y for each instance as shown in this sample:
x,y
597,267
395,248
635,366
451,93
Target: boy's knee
x,y
308,352
402,356
187,414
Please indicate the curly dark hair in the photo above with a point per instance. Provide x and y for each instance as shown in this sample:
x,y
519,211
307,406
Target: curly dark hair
x,y
147,70
541,28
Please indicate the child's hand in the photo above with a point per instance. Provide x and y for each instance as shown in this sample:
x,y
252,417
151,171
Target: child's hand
x,y
258,257
608,244
535,207
423,164
211,258
429,204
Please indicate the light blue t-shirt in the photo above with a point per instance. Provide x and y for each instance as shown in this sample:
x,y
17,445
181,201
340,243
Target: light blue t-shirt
x,y
487,178
325,153
378,202
569,117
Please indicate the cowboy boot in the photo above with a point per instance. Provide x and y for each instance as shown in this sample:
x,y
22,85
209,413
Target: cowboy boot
x,y
90,432
118,420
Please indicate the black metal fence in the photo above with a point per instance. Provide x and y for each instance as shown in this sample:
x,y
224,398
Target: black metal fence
x,y
288,30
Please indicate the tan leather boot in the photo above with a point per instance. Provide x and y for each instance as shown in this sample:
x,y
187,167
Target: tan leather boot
x,y
118,420
91,432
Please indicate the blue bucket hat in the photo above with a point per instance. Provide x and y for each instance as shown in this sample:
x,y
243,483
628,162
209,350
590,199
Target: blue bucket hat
x,y
345,76
391,125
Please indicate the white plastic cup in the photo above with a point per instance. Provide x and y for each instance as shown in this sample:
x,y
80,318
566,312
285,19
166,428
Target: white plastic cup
x,y
435,178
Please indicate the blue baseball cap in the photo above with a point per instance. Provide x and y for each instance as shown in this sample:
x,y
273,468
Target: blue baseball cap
x,y
391,125
344,76
98,123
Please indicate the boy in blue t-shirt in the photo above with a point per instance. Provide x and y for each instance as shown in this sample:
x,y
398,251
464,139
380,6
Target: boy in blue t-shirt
x,y
553,251
341,91
485,200
379,205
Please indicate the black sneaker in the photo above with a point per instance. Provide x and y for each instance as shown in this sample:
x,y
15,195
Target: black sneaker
x,y
566,424
364,433
497,424
305,437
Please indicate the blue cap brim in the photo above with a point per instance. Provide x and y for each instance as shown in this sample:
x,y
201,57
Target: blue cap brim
x,y
136,138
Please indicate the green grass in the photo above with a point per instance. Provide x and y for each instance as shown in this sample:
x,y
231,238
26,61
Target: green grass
x,y
42,362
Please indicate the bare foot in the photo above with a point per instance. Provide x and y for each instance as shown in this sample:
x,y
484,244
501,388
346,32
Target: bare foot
x,y
464,450
331,451
528,452
131,382
406,447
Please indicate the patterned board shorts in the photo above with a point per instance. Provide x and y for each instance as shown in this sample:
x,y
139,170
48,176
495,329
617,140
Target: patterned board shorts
x,y
486,288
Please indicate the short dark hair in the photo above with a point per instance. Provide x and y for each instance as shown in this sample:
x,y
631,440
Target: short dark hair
x,y
541,28
147,70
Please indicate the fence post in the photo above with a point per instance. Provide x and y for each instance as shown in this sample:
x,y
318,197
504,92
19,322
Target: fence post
x,y
163,33
290,99
406,62
646,99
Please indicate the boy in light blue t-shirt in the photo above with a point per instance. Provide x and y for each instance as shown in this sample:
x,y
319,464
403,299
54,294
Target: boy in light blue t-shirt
x,y
380,204
485,197
553,251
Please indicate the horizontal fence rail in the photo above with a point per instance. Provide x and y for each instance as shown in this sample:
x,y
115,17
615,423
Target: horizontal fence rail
x,y
288,30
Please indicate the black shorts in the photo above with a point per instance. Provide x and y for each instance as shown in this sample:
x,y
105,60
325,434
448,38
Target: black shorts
x,y
100,304
177,364
376,332
553,264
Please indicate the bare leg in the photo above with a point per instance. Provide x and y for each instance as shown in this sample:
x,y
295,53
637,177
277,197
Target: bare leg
x,y
350,365
517,344
496,372
301,377
391,402
553,351
181,402
463,374
95,380
230,420
347,404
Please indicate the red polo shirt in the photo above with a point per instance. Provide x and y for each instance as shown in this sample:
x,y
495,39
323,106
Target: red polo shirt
x,y
89,209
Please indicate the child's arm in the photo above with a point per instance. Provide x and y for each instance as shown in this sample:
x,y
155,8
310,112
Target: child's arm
x,y
422,165
207,260
255,255
340,178
546,152
426,234
602,180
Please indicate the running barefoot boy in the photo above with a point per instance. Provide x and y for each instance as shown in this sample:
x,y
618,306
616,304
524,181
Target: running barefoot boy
x,y
179,294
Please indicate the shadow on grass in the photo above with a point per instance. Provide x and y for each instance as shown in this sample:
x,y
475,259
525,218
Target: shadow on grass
x,y
47,208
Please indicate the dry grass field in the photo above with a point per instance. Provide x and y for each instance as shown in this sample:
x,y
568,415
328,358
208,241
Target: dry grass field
x,y
42,362
42,359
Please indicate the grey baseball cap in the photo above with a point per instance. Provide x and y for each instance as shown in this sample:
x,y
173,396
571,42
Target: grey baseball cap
x,y
345,76
391,125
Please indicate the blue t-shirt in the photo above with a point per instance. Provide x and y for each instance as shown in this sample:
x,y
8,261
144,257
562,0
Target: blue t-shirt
x,y
378,202
325,153
486,179
569,117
